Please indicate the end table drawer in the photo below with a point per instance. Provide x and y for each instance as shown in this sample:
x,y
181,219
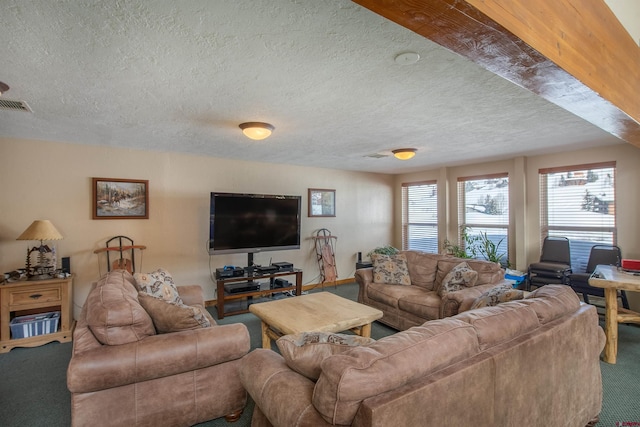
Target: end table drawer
x,y
21,297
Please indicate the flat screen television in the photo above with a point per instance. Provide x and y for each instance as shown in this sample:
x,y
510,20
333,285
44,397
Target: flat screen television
x,y
249,223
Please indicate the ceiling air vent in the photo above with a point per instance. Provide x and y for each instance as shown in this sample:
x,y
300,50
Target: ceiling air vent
x,y
8,104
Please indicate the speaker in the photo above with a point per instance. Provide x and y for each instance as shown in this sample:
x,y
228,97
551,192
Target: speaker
x,y
66,264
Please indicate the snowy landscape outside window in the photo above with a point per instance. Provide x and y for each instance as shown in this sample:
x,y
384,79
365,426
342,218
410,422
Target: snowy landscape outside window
x,y
483,213
578,202
420,216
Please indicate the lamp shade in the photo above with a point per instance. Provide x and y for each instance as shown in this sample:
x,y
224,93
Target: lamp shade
x,y
404,153
41,229
256,130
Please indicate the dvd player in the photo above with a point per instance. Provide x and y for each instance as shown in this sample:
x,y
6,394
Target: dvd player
x,y
235,288
267,269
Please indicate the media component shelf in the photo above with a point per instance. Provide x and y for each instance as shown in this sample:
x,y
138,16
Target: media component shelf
x,y
250,290
36,297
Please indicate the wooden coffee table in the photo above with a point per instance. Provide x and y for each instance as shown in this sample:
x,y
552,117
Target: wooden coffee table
x,y
322,311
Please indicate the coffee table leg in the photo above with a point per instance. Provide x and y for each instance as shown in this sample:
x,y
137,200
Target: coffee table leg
x,y
266,340
611,325
365,330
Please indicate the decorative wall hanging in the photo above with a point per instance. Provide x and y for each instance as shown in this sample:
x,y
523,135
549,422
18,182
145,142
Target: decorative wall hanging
x,y
322,202
120,198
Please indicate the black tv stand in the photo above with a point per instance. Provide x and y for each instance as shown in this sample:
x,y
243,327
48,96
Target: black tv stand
x,y
223,296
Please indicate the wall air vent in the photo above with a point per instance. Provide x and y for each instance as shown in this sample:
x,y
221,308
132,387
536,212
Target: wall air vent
x,y
8,104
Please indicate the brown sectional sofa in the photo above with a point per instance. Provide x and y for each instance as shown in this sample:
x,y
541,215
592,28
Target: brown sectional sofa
x,y
412,305
531,362
146,379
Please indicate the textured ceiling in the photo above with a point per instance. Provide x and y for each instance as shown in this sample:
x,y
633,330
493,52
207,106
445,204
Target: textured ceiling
x,y
180,76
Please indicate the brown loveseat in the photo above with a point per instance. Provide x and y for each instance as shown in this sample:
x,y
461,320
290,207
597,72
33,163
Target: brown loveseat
x,y
122,373
412,305
531,362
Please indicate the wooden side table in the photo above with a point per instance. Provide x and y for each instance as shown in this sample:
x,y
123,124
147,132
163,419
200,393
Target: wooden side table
x,y
611,280
33,297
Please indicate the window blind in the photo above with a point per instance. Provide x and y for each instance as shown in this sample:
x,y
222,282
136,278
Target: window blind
x,y
578,202
420,216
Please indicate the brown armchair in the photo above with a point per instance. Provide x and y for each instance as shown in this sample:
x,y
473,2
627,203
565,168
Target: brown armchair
x,y
122,373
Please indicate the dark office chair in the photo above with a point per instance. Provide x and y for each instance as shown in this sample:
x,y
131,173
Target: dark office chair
x,y
554,266
600,254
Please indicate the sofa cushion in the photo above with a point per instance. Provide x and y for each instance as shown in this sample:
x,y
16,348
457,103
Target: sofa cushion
x,y
390,269
389,363
461,276
422,268
171,316
497,295
498,324
158,283
114,314
551,302
304,352
424,304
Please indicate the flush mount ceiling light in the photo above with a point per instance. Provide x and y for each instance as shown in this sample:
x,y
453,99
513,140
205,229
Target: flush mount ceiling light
x,y
3,88
256,130
404,153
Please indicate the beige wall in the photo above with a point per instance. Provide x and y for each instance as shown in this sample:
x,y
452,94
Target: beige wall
x,y
47,180
524,198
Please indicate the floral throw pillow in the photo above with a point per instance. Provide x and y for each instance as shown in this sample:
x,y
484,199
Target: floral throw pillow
x,y
461,276
159,284
497,295
391,269
304,352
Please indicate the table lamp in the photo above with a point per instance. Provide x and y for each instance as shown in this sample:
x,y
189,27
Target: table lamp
x,y
42,230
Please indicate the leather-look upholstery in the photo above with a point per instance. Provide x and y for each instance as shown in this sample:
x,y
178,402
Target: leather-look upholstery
x,y
407,306
532,362
148,379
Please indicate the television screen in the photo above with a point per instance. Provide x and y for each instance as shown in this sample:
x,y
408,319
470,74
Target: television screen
x,y
248,223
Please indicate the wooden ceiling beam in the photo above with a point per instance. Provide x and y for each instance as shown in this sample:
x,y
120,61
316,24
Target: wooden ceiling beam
x,y
574,53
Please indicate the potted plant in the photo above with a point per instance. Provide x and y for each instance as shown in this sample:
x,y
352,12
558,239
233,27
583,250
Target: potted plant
x,y
383,250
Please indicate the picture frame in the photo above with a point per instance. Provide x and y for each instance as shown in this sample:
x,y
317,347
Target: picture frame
x,y
115,198
322,202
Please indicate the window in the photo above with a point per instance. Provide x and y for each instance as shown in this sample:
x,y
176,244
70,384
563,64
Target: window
x,y
578,202
420,216
483,214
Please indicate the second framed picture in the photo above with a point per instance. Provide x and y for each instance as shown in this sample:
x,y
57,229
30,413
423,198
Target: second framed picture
x,y
322,202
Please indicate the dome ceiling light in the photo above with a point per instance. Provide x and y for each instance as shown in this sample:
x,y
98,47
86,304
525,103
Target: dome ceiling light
x,y
404,153
256,130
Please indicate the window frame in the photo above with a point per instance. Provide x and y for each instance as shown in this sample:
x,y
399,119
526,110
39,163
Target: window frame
x,y
406,206
463,224
580,257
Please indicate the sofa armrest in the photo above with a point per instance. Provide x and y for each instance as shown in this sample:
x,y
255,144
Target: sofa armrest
x,y
283,395
156,356
364,277
456,302
191,294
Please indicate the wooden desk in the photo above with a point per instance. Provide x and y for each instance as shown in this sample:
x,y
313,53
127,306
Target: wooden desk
x,y
611,280
317,312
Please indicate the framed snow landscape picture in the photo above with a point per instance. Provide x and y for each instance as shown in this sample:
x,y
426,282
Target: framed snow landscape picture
x,y
120,198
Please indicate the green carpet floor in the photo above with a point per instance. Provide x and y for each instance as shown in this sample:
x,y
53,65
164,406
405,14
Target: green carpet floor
x,y
33,389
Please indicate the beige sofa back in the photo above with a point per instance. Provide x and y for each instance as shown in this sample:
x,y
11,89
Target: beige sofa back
x,y
525,362
427,270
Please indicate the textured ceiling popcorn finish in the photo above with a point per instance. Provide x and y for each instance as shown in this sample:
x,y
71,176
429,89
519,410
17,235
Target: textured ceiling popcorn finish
x,y
181,76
